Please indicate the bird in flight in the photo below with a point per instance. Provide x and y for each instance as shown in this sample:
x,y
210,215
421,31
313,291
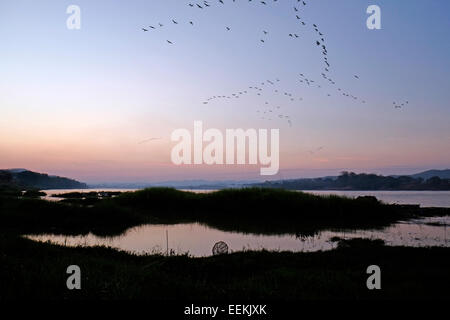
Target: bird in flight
x,y
148,140
316,150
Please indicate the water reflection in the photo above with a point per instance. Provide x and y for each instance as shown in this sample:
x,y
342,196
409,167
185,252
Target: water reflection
x,y
52,194
198,240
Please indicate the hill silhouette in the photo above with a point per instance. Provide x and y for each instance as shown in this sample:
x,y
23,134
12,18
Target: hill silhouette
x,y
363,181
22,178
443,174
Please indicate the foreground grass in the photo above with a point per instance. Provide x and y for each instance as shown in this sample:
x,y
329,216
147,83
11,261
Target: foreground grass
x,y
255,210
38,270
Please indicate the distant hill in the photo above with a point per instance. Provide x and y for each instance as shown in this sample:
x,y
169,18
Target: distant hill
x,y
363,181
23,178
443,174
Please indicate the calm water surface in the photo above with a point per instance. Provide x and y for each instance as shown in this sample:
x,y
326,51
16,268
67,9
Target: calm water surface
x,y
51,195
198,240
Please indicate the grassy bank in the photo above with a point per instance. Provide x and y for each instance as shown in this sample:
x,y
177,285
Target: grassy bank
x,y
260,210
253,210
38,270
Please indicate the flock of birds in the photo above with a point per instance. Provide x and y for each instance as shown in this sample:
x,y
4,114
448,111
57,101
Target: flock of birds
x,y
207,4
400,105
269,89
270,111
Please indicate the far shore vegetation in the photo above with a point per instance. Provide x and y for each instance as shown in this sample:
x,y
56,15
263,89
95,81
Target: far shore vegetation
x,y
362,181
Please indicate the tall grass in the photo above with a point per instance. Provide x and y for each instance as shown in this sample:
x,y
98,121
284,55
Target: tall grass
x,y
38,270
255,210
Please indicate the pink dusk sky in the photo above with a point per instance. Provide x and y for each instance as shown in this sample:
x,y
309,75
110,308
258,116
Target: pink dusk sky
x,y
82,103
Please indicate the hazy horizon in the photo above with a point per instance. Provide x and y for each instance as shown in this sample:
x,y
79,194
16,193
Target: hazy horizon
x,y
294,174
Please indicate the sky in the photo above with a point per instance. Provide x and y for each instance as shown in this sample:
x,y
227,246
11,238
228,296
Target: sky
x,y
99,104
